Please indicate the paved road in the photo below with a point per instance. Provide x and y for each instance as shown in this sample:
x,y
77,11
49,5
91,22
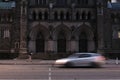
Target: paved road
x,y
47,72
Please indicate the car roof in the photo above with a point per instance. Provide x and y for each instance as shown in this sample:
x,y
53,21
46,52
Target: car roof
x,y
88,53
85,53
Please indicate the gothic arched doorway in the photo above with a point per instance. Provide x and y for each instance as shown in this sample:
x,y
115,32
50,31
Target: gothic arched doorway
x,y
40,42
61,42
83,42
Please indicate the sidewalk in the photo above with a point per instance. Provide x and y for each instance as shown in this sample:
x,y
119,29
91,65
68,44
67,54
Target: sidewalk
x,y
25,62
41,62
111,61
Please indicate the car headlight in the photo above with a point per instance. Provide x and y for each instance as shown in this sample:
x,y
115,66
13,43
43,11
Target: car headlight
x,y
61,61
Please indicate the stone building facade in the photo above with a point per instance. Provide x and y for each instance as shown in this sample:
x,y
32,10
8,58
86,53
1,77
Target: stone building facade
x,y
59,27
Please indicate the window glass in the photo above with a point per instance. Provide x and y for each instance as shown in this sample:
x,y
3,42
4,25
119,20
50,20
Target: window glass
x,y
84,55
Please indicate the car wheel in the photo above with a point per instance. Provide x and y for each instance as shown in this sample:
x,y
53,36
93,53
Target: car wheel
x,y
95,65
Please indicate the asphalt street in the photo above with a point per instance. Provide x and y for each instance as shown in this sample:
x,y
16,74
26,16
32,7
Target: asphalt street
x,y
43,70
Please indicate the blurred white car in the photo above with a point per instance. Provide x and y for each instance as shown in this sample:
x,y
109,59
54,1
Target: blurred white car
x,y
82,59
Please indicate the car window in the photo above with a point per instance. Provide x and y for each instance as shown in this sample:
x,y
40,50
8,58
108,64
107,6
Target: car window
x,y
74,56
84,55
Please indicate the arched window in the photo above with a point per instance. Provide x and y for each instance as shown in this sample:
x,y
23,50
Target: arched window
x,y
45,15
89,15
34,15
55,15
40,15
77,16
61,15
40,46
67,16
83,15
61,42
83,42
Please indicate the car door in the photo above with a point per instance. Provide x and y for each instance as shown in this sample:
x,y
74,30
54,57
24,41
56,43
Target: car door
x,y
84,59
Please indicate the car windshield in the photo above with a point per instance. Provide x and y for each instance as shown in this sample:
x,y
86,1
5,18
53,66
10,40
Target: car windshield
x,y
74,56
82,55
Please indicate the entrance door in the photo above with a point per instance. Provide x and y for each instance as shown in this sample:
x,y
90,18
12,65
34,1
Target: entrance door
x,y
61,42
40,43
83,42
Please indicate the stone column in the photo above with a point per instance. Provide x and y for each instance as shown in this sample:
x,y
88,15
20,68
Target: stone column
x,y
50,46
74,46
23,27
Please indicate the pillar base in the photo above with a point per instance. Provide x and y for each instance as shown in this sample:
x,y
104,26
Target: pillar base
x,y
23,50
23,53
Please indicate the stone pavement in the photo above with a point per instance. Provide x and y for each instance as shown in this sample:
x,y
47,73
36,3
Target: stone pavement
x,y
40,62
26,62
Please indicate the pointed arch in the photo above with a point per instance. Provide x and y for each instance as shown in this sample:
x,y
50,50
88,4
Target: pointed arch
x,y
64,28
62,34
85,36
36,29
38,35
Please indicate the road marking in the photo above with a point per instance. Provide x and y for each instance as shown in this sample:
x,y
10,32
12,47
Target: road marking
x,y
49,74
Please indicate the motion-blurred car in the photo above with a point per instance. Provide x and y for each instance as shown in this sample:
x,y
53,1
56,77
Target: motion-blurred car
x,y
82,59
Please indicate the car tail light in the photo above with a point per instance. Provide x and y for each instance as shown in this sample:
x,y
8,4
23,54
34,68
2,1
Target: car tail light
x,y
100,58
